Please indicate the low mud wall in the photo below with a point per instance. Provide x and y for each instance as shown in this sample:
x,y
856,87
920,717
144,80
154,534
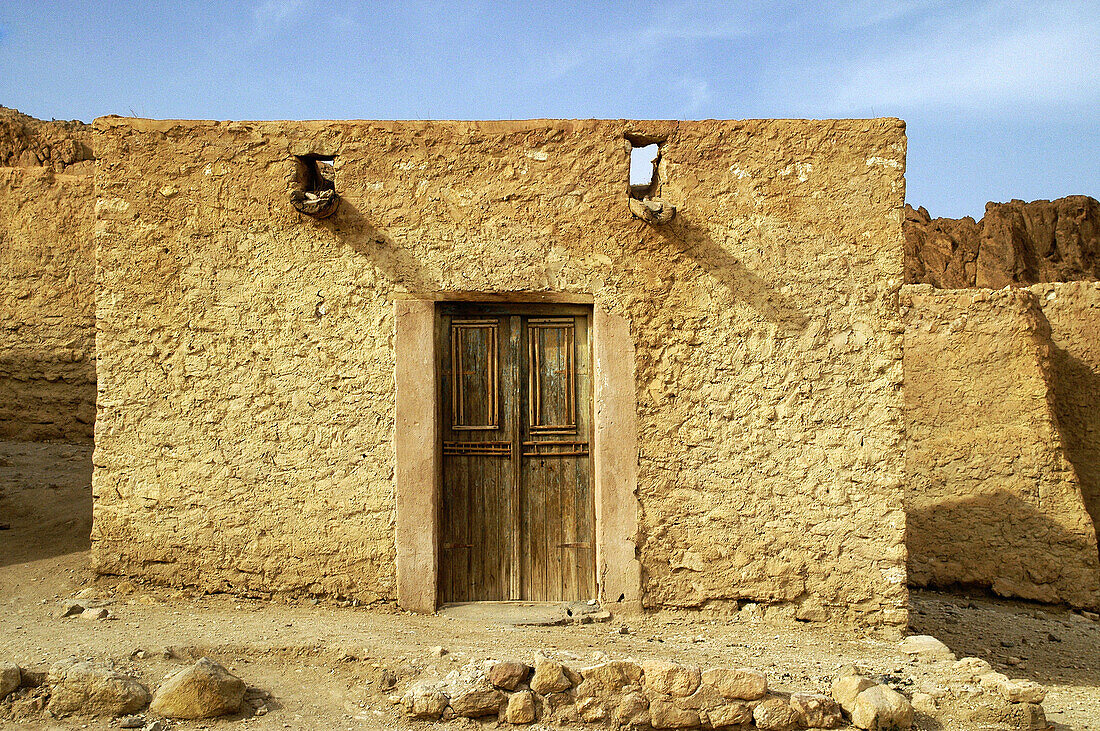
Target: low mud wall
x,y
992,497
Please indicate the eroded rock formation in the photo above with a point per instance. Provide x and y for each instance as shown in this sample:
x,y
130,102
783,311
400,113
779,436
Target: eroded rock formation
x,y
1014,243
28,142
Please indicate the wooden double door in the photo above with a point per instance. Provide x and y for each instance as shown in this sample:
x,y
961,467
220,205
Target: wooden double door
x,y
518,512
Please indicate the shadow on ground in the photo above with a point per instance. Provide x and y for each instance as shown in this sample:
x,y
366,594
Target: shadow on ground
x,y
45,500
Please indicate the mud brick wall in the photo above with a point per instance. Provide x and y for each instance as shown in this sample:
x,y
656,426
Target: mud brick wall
x,y
992,499
47,301
246,365
1072,310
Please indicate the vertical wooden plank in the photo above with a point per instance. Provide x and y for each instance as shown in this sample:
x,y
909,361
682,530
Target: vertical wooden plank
x,y
513,406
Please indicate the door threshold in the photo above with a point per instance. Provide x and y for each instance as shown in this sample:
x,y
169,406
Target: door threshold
x,y
527,614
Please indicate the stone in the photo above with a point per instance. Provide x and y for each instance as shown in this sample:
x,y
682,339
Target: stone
x,y
521,708
926,647
94,614
549,676
70,608
508,675
424,700
971,668
592,710
202,690
847,687
131,722
664,713
880,708
10,678
1026,716
1013,691
609,678
88,689
632,710
816,710
729,714
670,678
924,703
558,701
477,702
775,714
438,651
737,683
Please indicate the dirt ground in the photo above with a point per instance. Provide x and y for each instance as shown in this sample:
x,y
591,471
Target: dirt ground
x,y
328,666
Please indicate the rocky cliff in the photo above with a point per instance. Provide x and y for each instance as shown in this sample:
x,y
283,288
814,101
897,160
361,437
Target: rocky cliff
x,y
1015,243
28,142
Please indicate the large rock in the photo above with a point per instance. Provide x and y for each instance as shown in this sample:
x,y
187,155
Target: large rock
x,y
203,690
609,677
477,702
971,668
550,676
670,678
88,689
632,710
1014,243
775,714
816,710
925,647
424,700
847,688
665,713
521,708
508,675
737,683
1013,691
734,713
10,678
882,709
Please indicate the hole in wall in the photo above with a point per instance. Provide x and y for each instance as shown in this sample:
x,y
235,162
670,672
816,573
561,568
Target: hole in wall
x,y
644,185
314,191
643,170
316,173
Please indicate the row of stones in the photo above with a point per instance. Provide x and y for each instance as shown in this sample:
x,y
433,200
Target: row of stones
x,y
202,690
653,693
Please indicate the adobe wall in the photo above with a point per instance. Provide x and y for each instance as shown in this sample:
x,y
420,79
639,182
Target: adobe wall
x,y
246,366
1072,310
47,280
991,498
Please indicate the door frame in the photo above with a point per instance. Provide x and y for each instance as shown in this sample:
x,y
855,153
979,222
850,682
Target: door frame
x,y
418,458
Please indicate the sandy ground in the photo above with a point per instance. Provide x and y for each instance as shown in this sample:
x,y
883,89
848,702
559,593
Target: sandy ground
x,y
327,666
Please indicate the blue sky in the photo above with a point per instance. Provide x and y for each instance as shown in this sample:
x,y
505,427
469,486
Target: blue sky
x,y
1002,99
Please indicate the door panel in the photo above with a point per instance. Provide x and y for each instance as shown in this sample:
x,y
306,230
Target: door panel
x,y
518,514
479,479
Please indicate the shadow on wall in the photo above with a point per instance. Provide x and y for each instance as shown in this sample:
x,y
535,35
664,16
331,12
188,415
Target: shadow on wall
x,y
42,398
1002,543
353,229
695,242
1076,392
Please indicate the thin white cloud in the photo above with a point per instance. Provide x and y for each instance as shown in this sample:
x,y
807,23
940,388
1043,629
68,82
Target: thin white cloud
x,y
1040,55
270,16
696,93
639,42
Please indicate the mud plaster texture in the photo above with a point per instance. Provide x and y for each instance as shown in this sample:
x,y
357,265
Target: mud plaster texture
x,y
245,429
47,330
1072,309
992,497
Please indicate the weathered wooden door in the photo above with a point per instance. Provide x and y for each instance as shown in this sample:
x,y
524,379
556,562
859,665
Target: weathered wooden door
x,y
518,514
